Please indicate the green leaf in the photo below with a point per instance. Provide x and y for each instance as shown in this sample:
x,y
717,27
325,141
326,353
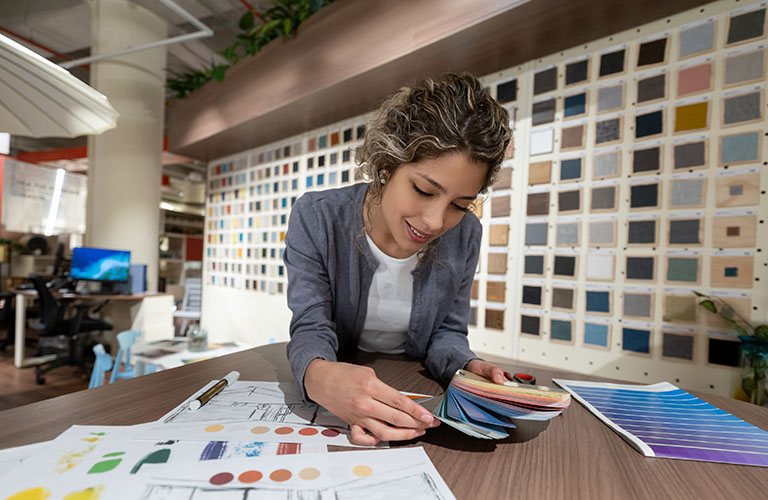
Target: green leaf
x,y
761,332
708,305
735,326
246,21
287,25
219,72
699,294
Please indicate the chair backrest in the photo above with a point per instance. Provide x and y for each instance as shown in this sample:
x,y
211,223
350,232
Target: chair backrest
x,y
125,339
6,308
47,307
101,366
193,291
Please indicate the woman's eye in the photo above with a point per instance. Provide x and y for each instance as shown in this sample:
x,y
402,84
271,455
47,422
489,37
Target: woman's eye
x,y
420,192
458,207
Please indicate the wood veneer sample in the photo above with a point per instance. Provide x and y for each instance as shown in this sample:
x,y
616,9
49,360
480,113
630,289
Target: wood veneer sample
x,y
732,271
734,231
497,263
495,291
737,190
475,291
504,179
540,173
500,206
498,235
494,318
538,203
735,307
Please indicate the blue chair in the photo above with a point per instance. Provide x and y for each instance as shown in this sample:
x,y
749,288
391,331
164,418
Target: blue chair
x,y
101,366
126,340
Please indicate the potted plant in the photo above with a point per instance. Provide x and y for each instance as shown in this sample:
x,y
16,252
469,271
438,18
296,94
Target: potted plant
x,y
754,348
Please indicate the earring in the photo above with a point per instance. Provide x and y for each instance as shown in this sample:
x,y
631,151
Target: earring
x,y
383,177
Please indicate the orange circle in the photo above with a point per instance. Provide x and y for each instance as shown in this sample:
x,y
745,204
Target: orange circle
x,y
261,429
308,431
250,476
283,430
280,475
214,428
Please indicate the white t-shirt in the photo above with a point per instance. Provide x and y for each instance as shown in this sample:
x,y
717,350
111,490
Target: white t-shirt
x,y
389,303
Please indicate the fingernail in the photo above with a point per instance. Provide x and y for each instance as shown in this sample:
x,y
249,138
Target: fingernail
x,y
427,418
435,423
421,433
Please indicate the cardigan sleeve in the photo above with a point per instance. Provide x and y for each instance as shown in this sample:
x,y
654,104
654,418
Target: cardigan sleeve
x,y
448,349
312,331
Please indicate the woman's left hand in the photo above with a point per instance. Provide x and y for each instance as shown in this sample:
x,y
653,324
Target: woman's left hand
x,y
487,370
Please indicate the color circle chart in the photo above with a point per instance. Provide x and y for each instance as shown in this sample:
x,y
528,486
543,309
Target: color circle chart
x,y
344,474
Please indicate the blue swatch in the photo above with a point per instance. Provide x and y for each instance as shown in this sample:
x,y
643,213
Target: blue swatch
x,y
596,334
649,124
575,105
599,302
636,340
570,169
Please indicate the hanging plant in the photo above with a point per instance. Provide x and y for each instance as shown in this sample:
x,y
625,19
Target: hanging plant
x,y
282,19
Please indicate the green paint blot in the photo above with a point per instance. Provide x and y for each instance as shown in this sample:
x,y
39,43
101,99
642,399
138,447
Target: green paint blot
x,y
105,466
115,454
156,457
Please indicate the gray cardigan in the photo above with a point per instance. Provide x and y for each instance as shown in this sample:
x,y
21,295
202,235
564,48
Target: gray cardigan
x,y
330,269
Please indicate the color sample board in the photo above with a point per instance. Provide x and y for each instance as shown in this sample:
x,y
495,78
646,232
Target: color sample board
x,y
663,421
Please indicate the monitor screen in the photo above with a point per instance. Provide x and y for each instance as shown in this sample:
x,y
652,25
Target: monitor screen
x,y
100,264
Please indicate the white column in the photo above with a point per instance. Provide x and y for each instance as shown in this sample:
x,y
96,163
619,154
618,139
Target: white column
x,y
124,164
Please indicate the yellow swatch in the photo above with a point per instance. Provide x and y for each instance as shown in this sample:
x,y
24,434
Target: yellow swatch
x,y
38,493
362,470
68,461
691,116
86,494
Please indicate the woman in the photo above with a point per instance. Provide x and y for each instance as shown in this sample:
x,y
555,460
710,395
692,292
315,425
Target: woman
x,y
388,266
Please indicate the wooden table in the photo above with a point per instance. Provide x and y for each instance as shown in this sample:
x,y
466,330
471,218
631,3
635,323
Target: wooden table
x,y
572,456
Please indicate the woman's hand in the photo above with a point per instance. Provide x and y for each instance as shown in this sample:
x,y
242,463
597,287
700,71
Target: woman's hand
x,y
354,394
487,370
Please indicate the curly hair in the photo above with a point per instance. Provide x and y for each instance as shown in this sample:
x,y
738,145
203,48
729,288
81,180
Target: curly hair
x,y
450,114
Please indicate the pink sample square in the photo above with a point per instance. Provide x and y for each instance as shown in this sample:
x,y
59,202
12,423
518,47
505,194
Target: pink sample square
x,y
694,79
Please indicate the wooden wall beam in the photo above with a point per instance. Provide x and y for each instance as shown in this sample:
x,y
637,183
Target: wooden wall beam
x,y
348,57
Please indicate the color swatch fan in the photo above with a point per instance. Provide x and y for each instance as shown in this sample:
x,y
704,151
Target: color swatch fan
x,y
478,407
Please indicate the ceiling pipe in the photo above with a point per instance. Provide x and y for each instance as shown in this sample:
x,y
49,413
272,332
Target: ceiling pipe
x,y
204,32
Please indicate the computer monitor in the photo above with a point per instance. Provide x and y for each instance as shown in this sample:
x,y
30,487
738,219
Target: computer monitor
x,y
100,264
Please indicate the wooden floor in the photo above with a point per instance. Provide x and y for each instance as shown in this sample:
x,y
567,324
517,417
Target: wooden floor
x,y
18,387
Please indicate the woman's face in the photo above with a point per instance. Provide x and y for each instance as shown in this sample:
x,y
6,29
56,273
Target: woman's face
x,y
423,200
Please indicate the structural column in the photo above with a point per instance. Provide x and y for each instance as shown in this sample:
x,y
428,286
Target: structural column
x,y
124,164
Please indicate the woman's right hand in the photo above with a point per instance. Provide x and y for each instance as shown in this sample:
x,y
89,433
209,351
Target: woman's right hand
x,y
375,411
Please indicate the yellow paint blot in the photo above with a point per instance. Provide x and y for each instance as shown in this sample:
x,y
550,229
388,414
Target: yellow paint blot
x,y
90,440
362,470
214,428
260,429
86,494
70,460
38,493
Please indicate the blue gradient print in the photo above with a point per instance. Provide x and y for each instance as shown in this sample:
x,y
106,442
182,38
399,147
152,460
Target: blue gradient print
x,y
100,264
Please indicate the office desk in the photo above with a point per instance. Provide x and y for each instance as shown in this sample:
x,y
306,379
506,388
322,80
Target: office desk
x,y
573,456
148,318
172,353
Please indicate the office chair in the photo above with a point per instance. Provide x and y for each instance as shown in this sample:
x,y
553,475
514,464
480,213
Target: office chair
x,y
7,319
62,327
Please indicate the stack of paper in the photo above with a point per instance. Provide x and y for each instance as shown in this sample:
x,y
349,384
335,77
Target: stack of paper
x,y
253,440
480,408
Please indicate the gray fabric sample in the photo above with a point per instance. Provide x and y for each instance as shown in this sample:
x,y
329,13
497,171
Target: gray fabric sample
x,y
637,304
562,297
545,81
568,234
685,232
739,148
690,155
640,268
610,98
652,88
697,39
745,26
745,67
687,193
603,198
736,190
677,346
641,232
543,112
742,108
533,264
601,233
608,130
646,160
606,165
568,200
536,234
